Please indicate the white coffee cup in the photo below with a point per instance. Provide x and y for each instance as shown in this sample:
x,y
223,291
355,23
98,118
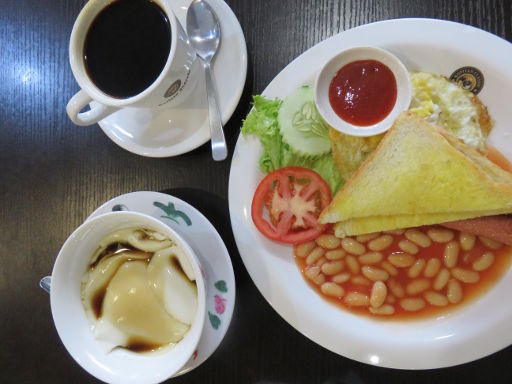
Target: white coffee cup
x,y
74,326
176,80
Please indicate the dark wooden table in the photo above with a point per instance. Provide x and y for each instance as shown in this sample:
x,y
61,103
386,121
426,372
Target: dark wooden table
x,y
54,174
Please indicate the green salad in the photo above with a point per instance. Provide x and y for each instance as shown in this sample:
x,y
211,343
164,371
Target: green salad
x,y
293,133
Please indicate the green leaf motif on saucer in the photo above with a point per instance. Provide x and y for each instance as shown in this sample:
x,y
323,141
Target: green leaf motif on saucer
x,y
172,213
221,286
214,320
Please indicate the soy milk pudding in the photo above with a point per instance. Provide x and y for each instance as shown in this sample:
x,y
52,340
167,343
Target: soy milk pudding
x,y
139,291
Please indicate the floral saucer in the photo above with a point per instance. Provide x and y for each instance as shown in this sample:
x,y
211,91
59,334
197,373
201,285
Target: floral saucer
x,y
206,242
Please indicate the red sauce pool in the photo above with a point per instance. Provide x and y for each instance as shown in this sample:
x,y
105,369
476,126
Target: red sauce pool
x,y
363,92
470,292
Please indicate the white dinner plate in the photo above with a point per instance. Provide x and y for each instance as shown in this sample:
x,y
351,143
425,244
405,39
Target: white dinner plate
x,y
459,336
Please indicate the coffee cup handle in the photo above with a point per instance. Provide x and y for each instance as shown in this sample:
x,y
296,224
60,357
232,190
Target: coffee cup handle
x,y
95,114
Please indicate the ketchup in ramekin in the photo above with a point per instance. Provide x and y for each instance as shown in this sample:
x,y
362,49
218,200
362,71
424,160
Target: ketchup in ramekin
x,y
363,92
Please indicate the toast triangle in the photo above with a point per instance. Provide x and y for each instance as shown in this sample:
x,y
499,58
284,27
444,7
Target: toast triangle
x,y
418,175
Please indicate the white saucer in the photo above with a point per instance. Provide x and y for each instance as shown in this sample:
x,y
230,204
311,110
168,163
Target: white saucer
x,y
173,131
209,248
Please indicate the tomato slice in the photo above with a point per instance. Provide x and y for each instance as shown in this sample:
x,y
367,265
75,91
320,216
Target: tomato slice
x,y
292,199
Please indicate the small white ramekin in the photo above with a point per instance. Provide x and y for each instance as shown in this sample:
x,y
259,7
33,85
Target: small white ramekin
x,y
329,70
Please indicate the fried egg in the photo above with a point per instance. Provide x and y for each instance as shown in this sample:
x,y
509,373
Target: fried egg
x,y
443,103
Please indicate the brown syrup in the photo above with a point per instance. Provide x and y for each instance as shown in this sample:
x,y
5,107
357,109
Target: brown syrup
x,y
110,251
136,345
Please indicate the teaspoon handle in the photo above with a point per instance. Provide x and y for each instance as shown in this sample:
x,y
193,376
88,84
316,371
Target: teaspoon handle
x,y
219,148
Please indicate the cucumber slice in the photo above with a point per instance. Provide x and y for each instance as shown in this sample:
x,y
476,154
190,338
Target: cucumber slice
x,y
301,126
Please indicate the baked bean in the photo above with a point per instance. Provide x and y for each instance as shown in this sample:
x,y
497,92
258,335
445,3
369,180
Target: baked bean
x,y
454,291
417,286
396,288
367,237
314,255
467,241
370,258
451,253
435,298
408,246
491,244
314,274
418,237
380,243
374,274
416,269
352,246
333,267
335,254
396,232
312,271
352,264
483,262
321,262
378,295
360,280
320,279
432,267
304,249
412,304
385,309
328,241
341,278
332,289
356,299
401,260
440,235
465,275
441,279
389,268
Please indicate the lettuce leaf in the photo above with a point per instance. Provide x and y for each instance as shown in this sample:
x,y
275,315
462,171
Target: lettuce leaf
x,y
262,122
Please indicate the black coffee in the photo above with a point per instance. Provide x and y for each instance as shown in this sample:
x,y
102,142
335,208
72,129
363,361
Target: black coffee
x,y
127,46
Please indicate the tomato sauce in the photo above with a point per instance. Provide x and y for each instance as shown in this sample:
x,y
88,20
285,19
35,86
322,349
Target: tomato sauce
x,y
487,279
363,92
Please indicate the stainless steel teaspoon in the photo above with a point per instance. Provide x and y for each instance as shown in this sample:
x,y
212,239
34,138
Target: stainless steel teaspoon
x,y
203,30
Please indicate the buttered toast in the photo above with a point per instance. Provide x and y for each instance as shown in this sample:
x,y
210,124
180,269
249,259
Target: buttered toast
x,y
418,175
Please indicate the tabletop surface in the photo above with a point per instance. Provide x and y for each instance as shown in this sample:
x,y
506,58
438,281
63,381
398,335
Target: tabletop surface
x,y
54,174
